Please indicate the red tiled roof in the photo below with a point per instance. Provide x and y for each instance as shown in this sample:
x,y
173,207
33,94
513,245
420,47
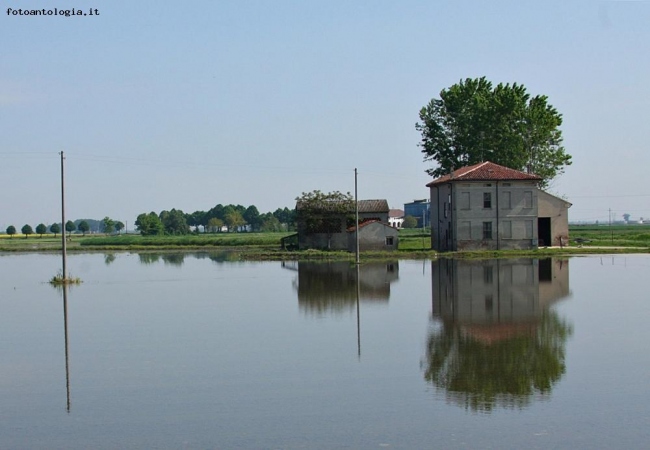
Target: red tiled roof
x,y
396,213
485,171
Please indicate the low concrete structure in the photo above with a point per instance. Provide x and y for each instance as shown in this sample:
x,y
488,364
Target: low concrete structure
x,y
373,235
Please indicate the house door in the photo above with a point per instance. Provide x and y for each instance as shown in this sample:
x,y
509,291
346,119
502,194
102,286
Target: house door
x,y
544,231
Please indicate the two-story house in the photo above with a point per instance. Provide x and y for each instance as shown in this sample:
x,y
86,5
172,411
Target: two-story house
x,y
491,207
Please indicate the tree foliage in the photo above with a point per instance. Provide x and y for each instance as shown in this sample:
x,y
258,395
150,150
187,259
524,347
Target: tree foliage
x,y
319,212
234,220
410,222
11,230
149,224
252,217
55,228
119,226
286,217
70,226
84,227
41,229
214,225
270,223
108,225
473,121
27,230
174,222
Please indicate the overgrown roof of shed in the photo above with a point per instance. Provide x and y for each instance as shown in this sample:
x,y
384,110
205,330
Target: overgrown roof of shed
x,y
365,206
485,171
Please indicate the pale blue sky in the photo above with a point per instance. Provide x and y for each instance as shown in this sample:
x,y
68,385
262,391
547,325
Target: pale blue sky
x,y
162,105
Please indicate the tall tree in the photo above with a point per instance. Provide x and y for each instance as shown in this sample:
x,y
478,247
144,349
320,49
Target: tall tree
x,y
196,220
234,220
270,223
252,217
27,230
84,227
108,224
286,216
55,228
41,229
149,224
119,226
214,225
70,226
174,222
11,230
473,121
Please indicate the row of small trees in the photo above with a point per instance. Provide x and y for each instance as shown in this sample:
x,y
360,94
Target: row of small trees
x,y
109,225
232,217
41,229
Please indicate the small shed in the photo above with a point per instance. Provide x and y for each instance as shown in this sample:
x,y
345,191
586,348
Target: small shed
x,y
331,232
373,235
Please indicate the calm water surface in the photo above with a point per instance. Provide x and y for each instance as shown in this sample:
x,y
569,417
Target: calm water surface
x,y
193,351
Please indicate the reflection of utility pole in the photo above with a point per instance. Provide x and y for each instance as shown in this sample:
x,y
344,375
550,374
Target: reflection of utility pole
x,y
358,315
65,333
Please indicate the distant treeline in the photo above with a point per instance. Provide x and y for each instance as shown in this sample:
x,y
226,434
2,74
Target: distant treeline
x,y
83,226
229,218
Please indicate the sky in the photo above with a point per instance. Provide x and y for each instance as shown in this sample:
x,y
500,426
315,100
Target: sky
x,y
159,105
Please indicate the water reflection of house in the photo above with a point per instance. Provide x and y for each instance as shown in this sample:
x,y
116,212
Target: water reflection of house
x,y
496,291
332,286
496,342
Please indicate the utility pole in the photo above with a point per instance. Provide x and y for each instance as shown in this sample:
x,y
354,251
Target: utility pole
x,y
63,237
356,210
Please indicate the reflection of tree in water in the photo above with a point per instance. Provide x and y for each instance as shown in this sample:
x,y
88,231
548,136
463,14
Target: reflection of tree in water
x,y
148,258
174,259
177,259
484,366
109,258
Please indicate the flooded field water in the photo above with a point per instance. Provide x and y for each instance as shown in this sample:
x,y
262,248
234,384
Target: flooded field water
x,y
194,351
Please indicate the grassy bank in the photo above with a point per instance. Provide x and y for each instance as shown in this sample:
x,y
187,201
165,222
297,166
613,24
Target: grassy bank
x,y
610,236
414,244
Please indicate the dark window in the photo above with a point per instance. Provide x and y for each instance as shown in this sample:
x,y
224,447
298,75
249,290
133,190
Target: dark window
x,y
389,240
487,200
489,303
487,230
488,275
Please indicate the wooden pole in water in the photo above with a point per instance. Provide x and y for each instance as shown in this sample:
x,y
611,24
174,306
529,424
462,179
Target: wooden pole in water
x,y
63,241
